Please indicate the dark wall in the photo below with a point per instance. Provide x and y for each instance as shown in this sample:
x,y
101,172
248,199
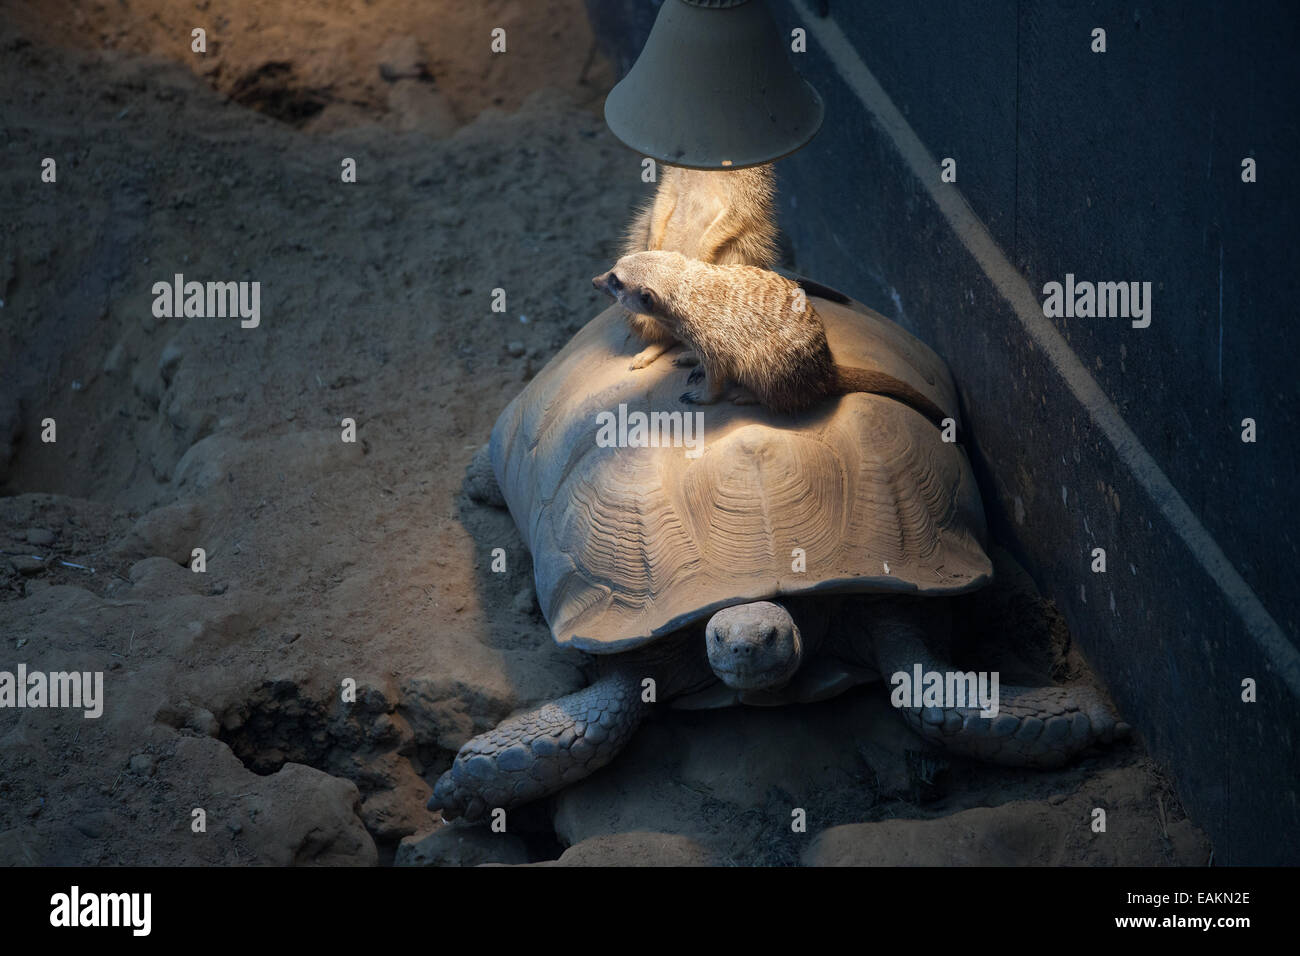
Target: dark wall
x,y
1119,166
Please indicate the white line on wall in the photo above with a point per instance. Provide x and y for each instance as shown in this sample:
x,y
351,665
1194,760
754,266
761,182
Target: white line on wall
x,y
1016,290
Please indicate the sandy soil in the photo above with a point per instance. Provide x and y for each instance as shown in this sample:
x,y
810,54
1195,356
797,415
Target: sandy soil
x,y
329,561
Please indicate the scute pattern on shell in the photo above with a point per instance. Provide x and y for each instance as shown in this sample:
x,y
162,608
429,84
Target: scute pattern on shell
x,y
630,544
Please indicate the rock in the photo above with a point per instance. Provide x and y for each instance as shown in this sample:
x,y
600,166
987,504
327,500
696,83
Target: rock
x,y
1022,833
400,57
525,601
418,107
173,713
338,116
169,361
172,532
201,720
160,577
984,835
637,849
299,456
94,825
1190,845
393,814
460,846
301,816
146,382
113,361
142,764
41,537
1014,834
51,845
516,349
399,809
27,564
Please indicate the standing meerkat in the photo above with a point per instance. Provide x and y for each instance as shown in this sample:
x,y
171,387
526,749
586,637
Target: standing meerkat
x,y
719,216
750,327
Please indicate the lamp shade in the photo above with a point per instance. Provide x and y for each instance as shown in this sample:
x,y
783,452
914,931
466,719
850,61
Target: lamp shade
x,y
713,89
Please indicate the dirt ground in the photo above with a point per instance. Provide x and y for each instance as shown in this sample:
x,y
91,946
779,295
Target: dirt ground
x,y
329,561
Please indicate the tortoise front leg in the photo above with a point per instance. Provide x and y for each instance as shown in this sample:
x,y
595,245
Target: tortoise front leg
x,y
1034,726
481,481
539,752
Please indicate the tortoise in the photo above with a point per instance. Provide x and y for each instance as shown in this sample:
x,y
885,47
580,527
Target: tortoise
x,y
786,559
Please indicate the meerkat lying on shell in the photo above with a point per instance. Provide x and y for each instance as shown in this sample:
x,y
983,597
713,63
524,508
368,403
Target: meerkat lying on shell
x,y
750,327
722,216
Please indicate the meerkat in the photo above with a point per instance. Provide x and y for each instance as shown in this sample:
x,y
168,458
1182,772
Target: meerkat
x,y
750,327
718,216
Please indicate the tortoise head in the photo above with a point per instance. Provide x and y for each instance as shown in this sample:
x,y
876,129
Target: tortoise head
x,y
644,282
754,646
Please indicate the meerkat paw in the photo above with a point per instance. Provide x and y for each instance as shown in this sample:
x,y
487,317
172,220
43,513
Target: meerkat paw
x,y
696,376
696,398
686,360
647,356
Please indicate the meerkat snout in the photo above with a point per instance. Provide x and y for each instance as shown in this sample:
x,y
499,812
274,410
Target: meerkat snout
x,y
607,283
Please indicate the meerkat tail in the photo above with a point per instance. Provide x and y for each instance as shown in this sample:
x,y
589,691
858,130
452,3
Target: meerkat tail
x,y
880,383
823,291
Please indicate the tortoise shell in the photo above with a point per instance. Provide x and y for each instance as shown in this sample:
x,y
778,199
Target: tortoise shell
x,y
631,544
